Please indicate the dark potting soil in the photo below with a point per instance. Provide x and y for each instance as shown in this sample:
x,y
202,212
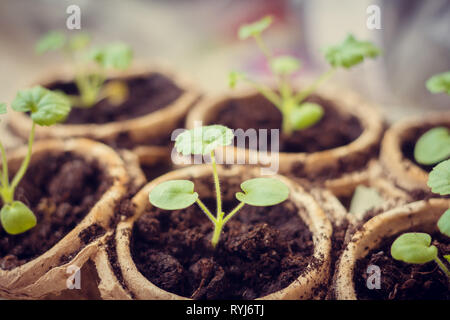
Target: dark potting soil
x,y
262,249
335,129
147,93
409,142
158,169
60,190
404,281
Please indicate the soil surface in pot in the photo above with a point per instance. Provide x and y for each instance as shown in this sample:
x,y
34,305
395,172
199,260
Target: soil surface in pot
x,y
147,93
60,190
410,140
334,130
155,170
262,249
403,281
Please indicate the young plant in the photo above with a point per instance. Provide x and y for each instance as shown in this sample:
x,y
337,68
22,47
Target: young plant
x,y
45,108
90,81
180,194
298,114
415,247
434,145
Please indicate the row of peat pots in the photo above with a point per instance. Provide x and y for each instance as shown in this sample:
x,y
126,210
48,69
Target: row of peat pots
x,y
89,181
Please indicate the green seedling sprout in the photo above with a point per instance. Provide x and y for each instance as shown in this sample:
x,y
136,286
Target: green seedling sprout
x,y
90,81
434,145
298,114
45,108
415,247
180,194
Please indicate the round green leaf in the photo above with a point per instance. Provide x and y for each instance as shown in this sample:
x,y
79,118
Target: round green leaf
x,y
285,65
53,40
254,28
439,83
350,52
305,115
115,56
444,223
263,192
203,140
433,146
173,195
414,248
439,178
17,218
46,107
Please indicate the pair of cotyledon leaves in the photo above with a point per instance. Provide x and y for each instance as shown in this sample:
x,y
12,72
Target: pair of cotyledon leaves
x,y
179,194
115,55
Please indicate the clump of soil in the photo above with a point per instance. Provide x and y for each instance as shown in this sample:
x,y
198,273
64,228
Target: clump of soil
x,y
262,249
147,93
60,190
409,142
403,281
335,129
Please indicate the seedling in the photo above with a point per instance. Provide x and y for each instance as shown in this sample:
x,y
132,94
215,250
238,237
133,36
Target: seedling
x,y
179,194
45,108
434,145
298,114
90,81
415,247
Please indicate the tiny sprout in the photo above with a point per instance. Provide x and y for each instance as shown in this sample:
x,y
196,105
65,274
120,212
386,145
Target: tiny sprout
x,y
91,82
298,114
46,108
416,248
180,194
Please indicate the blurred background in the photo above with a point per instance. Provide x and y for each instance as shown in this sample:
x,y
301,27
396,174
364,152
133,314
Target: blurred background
x,y
198,37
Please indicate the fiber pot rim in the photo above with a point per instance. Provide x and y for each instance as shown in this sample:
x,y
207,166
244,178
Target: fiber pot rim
x,y
346,101
27,280
137,128
303,286
424,213
403,171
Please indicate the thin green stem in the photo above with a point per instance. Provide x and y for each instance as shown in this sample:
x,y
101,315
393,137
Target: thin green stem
x,y
267,92
217,186
443,267
5,178
302,95
24,166
262,45
206,211
234,211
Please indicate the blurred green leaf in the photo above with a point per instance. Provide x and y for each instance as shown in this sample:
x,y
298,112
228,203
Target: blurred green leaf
x,y
350,52
433,146
115,56
254,28
439,83
444,223
79,41
285,65
53,40
305,115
